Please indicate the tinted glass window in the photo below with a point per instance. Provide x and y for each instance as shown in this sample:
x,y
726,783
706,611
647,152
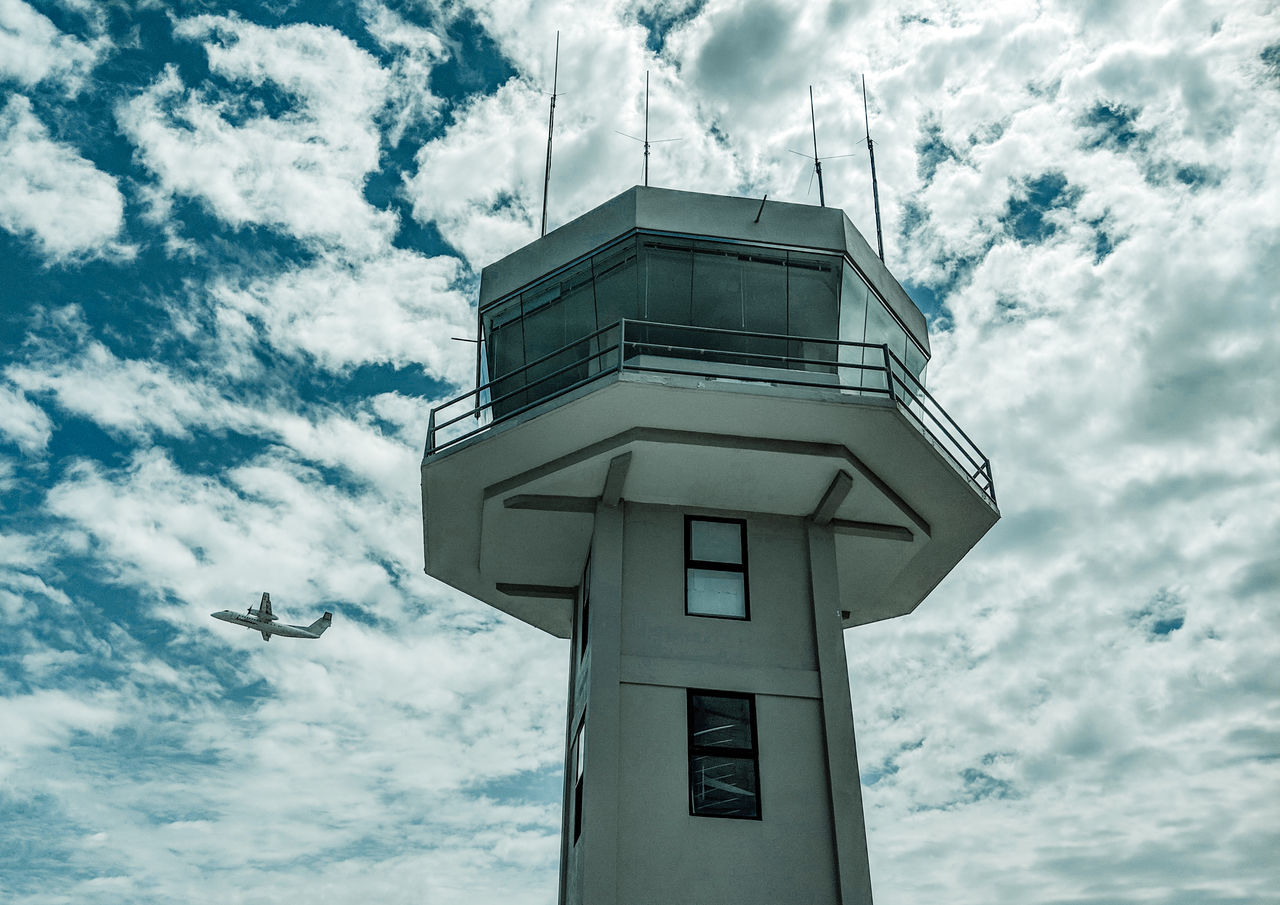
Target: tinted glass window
x,y
715,541
711,592
723,756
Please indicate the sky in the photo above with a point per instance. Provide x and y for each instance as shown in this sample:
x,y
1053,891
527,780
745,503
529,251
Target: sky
x,y
236,240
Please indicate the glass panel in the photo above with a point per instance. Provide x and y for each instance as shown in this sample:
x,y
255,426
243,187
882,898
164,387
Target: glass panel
x,y
764,305
711,592
504,332
715,541
666,288
812,294
543,320
853,326
916,360
882,328
580,758
615,279
579,303
720,722
667,283
717,300
543,334
723,786
577,297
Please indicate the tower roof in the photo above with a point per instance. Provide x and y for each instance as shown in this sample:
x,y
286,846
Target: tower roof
x,y
705,216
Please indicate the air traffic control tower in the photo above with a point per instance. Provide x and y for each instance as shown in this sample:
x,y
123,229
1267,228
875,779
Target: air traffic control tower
x,y
700,448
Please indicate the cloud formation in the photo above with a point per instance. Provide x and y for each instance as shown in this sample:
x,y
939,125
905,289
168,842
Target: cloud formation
x,y
1084,199
287,139
52,194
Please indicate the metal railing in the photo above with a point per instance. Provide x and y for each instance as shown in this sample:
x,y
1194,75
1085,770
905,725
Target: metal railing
x,y
853,368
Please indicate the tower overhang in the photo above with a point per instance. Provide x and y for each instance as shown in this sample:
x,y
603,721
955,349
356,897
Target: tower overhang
x,y
522,494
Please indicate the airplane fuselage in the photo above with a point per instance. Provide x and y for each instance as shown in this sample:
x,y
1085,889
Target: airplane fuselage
x,y
262,625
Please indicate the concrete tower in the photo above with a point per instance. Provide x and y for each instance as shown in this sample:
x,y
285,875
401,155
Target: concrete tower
x,y
700,448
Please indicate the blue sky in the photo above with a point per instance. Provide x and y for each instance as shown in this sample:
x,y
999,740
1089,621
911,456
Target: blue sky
x,y
238,238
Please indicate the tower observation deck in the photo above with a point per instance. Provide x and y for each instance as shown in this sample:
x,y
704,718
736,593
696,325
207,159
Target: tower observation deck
x,y
700,444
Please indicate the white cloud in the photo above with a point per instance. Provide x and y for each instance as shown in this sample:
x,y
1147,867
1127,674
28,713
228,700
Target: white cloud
x,y
1090,696
301,171
481,181
32,50
45,719
416,51
54,195
22,422
399,308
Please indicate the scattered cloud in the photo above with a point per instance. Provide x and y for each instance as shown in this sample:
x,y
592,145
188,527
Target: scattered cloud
x,y
50,193
399,308
1086,196
23,423
33,50
284,140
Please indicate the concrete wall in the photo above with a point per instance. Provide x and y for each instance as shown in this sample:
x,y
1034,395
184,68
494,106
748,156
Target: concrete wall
x,y
780,630
639,843
666,855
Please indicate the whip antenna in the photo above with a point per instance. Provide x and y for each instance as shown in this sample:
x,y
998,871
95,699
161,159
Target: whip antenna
x,y
817,163
645,141
551,127
875,188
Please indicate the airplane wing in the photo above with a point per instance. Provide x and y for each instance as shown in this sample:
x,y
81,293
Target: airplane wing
x,y
264,608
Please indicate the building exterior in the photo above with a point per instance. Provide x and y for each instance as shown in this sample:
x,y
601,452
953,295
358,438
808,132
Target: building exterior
x,y
701,446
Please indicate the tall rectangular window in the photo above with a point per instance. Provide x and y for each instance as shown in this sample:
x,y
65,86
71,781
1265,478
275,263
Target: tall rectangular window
x,y
724,759
715,567
579,763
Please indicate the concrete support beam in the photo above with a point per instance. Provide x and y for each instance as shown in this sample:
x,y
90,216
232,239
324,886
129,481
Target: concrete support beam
x,y
833,499
603,727
550,503
614,480
546,591
854,871
872,529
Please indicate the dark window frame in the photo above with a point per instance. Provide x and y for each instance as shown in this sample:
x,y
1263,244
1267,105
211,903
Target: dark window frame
x,y
580,772
691,563
696,750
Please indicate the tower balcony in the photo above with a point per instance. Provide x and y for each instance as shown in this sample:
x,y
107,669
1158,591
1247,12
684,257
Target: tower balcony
x,y
858,372
705,419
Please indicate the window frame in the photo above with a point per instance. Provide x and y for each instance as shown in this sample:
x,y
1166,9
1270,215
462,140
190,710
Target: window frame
x,y
579,765
752,753
711,565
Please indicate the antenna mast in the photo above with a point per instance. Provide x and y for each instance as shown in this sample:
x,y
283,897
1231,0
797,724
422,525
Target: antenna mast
x,y
646,128
551,126
817,164
645,141
875,188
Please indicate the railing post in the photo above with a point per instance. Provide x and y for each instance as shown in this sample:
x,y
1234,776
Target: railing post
x,y
622,342
888,370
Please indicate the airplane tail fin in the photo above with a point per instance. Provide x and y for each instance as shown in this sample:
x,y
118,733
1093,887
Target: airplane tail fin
x,y
321,624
